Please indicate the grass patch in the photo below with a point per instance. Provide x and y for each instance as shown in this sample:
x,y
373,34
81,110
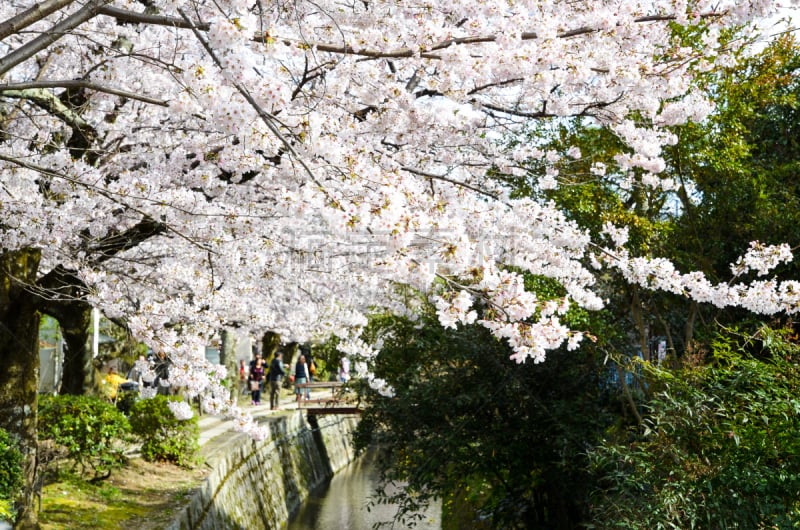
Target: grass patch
x,y
142,495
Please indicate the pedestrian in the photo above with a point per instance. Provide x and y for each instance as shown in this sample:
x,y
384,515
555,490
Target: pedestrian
x,y
276,373
344,369
300,378
254,359
311,367
255,380
242,377
137,371
111,383
161,367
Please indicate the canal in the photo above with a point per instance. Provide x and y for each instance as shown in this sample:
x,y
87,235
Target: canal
x,y
342,503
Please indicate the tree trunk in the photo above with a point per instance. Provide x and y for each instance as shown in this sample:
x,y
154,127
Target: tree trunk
x,y
64,303
227,358
19,378
689,331
77,365
638,319
270,343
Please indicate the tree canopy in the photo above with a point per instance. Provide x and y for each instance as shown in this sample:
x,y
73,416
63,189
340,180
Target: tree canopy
x,y
199,164
188,165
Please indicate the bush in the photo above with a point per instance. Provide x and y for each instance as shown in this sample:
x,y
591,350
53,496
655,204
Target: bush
x,y
126,399
6,513
164,437
90,429
10,473
718,449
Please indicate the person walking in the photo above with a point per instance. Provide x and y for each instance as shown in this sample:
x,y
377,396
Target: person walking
x,y
311,367
276,373
242,377
161,367
255,380
300,377
256,357
111,383
344,369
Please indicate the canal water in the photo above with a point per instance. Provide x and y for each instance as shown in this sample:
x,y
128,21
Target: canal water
x,y
342,503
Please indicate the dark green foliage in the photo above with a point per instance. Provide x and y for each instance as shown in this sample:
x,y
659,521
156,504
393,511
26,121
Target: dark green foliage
x,y
164,437
720,448
743,162
125,400
472,427
90,429
10,473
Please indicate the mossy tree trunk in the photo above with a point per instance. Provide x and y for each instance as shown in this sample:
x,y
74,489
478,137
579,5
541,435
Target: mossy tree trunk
x,y
270,343
19,357
77,365
227,358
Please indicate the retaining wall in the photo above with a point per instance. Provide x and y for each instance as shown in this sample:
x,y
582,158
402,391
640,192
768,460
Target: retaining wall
x,y
257,485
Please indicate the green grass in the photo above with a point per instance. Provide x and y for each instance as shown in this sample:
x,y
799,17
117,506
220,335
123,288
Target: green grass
x,y
143,496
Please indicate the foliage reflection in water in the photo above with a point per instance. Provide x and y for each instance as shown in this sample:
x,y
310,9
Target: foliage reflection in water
x,y
342,503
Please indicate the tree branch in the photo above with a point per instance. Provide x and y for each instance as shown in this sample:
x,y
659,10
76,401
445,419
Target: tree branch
x,y
30,16
117,242
130,16
479,39
585,111
512,112
448,180
104,192
58,289
51,103
77,83
28,50
498,83
123,15
268,119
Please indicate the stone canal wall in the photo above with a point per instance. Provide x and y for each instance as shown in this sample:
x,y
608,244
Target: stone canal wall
x,y
257,485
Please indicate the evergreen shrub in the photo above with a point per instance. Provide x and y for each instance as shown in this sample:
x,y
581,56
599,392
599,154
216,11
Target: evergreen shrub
x,y
10,474
165,437
91,430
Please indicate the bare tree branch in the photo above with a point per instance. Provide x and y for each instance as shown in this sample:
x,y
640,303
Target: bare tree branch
x,y
30,16
448,180
124,15
28,50
77,83
51,103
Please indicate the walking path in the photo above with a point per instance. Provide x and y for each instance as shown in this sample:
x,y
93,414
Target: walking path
x,y
213,426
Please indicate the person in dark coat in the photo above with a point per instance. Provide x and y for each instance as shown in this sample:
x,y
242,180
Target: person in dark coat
x,y
161,366
276,373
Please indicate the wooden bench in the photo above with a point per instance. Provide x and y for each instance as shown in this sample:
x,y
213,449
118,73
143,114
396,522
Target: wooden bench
x,y
330,402
333,385
321,384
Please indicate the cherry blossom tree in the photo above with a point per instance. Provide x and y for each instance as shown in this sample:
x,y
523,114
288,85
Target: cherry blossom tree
x,y
186,165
